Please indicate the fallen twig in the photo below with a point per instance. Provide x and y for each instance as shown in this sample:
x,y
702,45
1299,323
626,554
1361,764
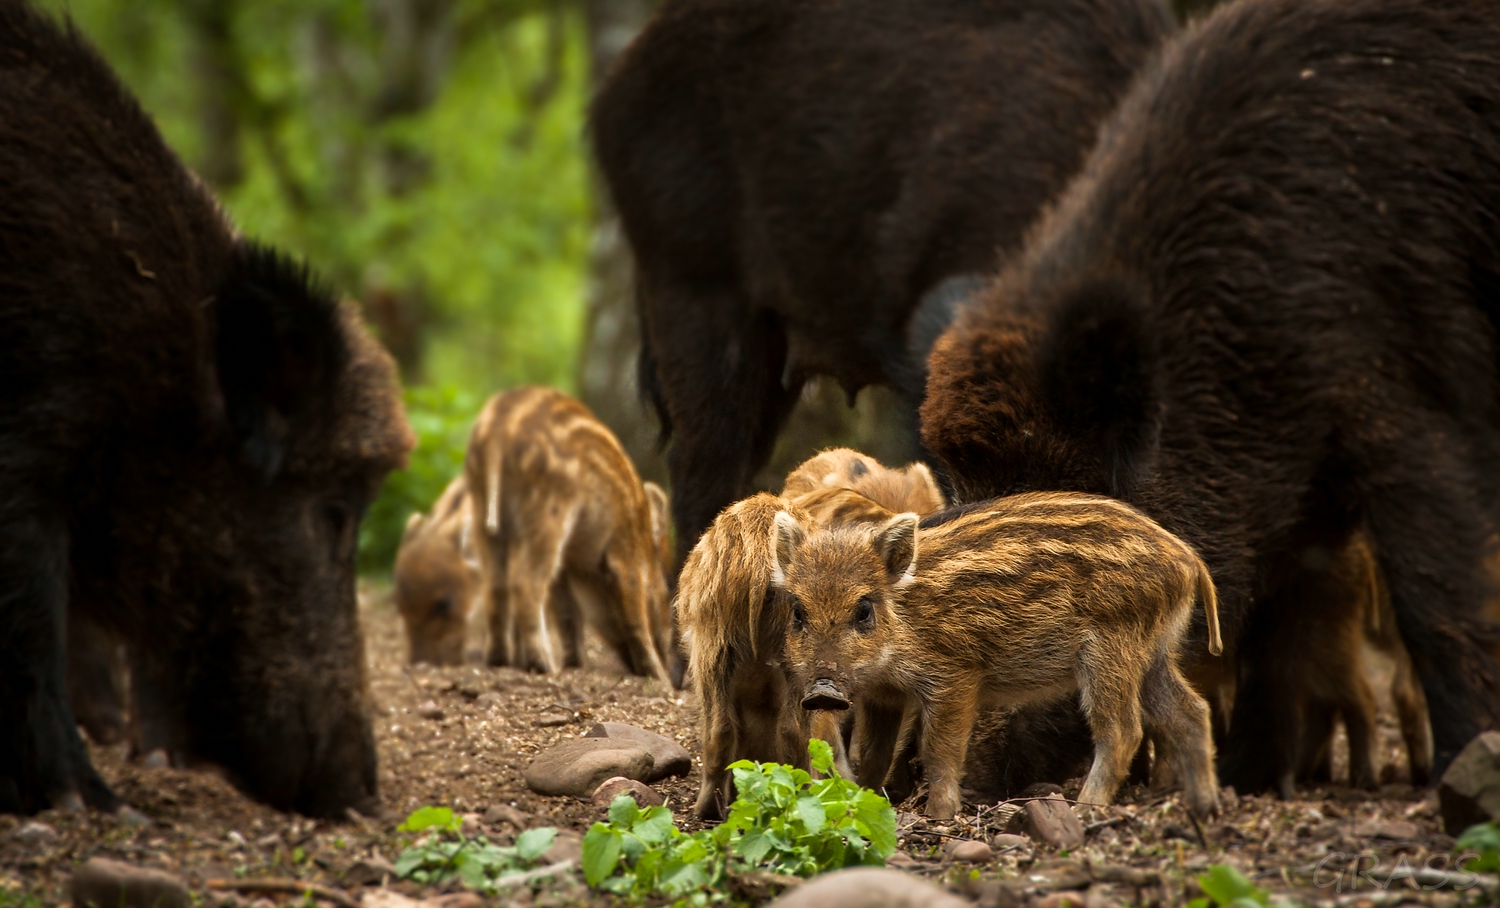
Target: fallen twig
x,y
295,887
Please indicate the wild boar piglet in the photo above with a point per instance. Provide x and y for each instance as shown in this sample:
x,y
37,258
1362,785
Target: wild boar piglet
x,y
1014,601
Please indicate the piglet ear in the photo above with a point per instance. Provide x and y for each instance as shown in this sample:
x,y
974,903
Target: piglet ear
x,y
786,535
1100,378
896,543
279,348
661,513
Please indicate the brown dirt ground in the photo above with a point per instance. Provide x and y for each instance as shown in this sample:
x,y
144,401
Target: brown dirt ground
x,y
495,720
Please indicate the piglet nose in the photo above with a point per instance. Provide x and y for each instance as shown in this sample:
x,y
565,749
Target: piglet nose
x,y
824,694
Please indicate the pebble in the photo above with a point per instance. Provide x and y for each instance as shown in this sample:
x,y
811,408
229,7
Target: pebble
x,y
368,872
430,710
577,767
1067,899
902,861
102,883
968,851
568,846
35,833
1006,840
495,814
470,827
553,720
1398,830
671,758
269,840
610,789
1051,820
236,839
869,887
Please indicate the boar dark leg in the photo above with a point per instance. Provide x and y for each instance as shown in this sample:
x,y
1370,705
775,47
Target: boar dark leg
x,y
719,372
1430,539
42,759
1180,726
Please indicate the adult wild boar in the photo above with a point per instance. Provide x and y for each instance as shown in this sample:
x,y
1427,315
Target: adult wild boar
x,y
1266,313
190,430
807,186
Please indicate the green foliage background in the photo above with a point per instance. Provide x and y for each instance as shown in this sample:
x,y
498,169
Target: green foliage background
x,y
466,203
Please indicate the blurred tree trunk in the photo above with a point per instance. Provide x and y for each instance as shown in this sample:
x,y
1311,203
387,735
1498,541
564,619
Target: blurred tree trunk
x,y
611,343
223,99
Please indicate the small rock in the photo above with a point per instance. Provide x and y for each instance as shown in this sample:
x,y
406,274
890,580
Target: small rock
x,y
1068,899
968,851
495,814
455,900
470,827
372,871
672,759
269,840
387,898
1050,820
1470,790
610,789
1176,831
577,767
1100,897
131,817
553,720
430,710
156,759
262,902
469,692
1399,830
869,887
902,861
102,883
487,700
1006,841
236,839
35,833
568,846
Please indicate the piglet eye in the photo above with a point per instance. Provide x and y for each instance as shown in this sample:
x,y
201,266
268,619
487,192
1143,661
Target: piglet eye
x,y
864,614
799,617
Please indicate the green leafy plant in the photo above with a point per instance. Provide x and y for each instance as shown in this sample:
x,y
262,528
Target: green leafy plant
x,y
1225,887
783,822
1484,839
445,853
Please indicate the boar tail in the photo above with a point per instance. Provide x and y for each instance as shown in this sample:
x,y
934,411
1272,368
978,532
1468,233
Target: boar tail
x,y
1210,599
492,493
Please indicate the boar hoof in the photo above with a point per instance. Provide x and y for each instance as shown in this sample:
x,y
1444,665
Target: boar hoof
x,y
824,694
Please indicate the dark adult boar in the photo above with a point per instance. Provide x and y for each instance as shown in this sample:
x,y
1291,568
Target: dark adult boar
x,y
1266,312
189,432
806,187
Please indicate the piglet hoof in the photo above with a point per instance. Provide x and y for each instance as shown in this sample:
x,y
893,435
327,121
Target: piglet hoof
x,y
824,694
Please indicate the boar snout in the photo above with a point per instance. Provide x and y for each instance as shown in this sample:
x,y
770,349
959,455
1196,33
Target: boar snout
x,y
824,694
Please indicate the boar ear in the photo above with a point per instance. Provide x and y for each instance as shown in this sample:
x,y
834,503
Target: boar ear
x,y
279,348
786,535
1099,376
896,543
412,523
661,510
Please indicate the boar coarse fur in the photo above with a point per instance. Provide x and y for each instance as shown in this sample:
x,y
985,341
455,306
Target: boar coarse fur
x,y
911,488
566,536
809,188
1267,312
1026,599
191,429
436,578
1321,672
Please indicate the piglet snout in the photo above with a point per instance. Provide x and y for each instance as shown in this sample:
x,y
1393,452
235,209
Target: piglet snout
x,y
824,694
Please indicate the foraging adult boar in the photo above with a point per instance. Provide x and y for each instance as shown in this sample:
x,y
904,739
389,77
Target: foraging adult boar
x,y
566,533
191,428
1320,671
436,582
1050,593
808,188
911,488
1266,312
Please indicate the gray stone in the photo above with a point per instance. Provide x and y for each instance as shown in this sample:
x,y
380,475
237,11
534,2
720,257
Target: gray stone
x,y
577,767
869,887
430,710
1050,820
968,851
672,759
1009,841
368,872
568,846
35,833
495,814
102,883
610,789
1470,790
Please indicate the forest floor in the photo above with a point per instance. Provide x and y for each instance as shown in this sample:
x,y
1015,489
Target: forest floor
x,y
495,720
